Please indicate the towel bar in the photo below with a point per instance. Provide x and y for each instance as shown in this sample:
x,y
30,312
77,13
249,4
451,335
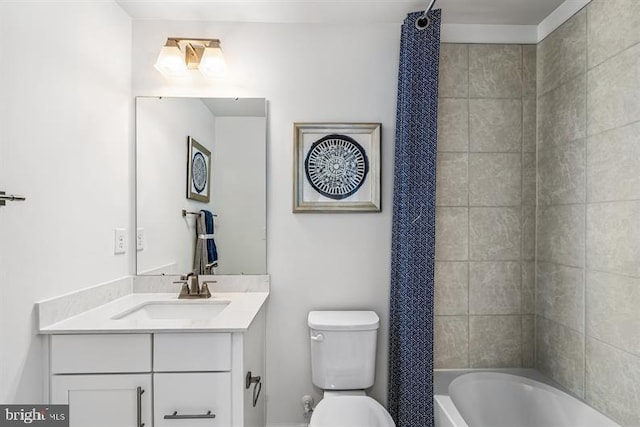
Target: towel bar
x,y
185,213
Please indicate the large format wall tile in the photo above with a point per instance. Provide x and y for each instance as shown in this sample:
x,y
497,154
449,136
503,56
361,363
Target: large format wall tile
x,y
495,125
561,170
613,161
612,310
452,236
452,183
529,179
451,334
528,341
612,27
614,92
494,234
563,54
453,77
560,294
495,287
529,123
495,179
529,71
495,71
612,382
613,237
495,341
451,288
453,125
560,354
528,233
560,236
562,113
528,287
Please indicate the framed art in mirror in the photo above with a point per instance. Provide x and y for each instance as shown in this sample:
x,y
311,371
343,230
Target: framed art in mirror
x,y
198,171
336,167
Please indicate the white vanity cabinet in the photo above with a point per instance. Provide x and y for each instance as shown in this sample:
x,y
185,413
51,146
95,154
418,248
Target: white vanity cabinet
x,y
106,379
161,379
105,400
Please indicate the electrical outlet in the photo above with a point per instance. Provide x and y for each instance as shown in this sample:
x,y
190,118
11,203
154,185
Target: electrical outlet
x,y
139,238
120,241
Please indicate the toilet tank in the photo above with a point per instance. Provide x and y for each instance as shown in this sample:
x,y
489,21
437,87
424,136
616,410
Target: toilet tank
x,y
343,349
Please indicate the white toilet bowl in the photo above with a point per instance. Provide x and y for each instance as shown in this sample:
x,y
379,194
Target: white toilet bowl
x,y
340,410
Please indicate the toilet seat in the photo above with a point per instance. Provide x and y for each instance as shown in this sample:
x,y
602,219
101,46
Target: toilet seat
x,y
350,411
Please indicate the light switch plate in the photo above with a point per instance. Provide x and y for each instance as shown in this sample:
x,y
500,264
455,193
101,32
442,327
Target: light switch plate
x,y
139,238
120,241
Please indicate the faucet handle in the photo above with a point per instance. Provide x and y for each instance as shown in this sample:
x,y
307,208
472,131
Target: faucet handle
x,y
204,292
184,291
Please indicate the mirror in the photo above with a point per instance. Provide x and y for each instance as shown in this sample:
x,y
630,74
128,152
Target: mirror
x,y
233,130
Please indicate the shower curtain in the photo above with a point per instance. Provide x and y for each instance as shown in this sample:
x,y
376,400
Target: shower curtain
x,y
413,230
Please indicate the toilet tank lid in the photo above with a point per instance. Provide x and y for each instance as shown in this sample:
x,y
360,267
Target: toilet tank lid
x,y
343,320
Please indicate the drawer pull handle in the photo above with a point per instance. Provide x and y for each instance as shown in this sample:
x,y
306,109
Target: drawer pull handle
x,y
176,416
139,392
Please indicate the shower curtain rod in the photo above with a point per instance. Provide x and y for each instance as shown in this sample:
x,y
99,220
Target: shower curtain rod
x,y
423,21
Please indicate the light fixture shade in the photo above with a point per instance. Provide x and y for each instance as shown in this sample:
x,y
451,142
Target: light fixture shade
x,y
171,61
212,63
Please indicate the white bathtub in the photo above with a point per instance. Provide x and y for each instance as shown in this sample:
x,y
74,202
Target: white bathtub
x,y
498,399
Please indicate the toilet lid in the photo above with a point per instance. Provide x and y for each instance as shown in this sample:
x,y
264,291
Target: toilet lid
x,y
350,411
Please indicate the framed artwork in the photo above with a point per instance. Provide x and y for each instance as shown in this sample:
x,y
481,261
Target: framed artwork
x,y
336,167
198,171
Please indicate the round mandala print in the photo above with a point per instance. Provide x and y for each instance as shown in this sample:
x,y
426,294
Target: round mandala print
x,y
336,166
199,172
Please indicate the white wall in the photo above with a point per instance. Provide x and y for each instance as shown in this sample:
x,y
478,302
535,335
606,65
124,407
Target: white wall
x,y
312,73
65,111
161,157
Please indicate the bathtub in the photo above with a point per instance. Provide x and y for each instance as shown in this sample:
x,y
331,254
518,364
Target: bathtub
x,y
508,398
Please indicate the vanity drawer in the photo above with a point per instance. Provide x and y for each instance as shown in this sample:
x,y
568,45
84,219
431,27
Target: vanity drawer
x,y
192,352
100,353
192,399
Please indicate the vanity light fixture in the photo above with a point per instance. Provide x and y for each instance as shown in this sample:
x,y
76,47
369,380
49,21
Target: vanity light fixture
x,y
178,56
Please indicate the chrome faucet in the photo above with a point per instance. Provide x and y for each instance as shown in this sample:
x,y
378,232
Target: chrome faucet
x,y
194,290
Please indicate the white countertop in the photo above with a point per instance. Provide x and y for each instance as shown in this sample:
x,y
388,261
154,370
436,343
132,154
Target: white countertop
x,y
237,316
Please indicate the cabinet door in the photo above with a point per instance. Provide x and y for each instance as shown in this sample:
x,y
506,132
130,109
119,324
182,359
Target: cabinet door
x,y
104,400
192,399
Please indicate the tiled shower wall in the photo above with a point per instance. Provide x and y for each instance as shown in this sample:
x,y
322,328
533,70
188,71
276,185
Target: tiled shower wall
x,y
588,239
484,299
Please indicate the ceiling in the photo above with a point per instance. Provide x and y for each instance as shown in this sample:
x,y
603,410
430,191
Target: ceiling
x,y
487,12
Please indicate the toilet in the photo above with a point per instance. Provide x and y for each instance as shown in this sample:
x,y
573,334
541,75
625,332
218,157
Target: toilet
x,y
343,356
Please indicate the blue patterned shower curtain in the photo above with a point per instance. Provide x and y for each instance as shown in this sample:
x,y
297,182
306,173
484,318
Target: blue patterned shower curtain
x,y
413,232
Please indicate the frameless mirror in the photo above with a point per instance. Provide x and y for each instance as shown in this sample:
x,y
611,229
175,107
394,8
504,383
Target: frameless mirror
x,y
227,179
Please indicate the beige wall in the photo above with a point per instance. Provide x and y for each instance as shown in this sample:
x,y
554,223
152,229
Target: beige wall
x,y
485,207
588,237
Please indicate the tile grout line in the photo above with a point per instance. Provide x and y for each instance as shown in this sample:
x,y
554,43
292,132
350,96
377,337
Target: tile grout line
x,y
468,48
522,202
586,192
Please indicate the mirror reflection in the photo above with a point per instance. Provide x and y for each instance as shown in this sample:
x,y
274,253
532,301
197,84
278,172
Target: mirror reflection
x,y
201,207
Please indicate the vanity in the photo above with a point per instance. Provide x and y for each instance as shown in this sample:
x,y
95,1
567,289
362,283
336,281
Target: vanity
x,y
131,353
150,359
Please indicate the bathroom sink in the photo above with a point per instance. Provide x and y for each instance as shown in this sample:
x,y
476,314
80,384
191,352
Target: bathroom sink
x,y
176,310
